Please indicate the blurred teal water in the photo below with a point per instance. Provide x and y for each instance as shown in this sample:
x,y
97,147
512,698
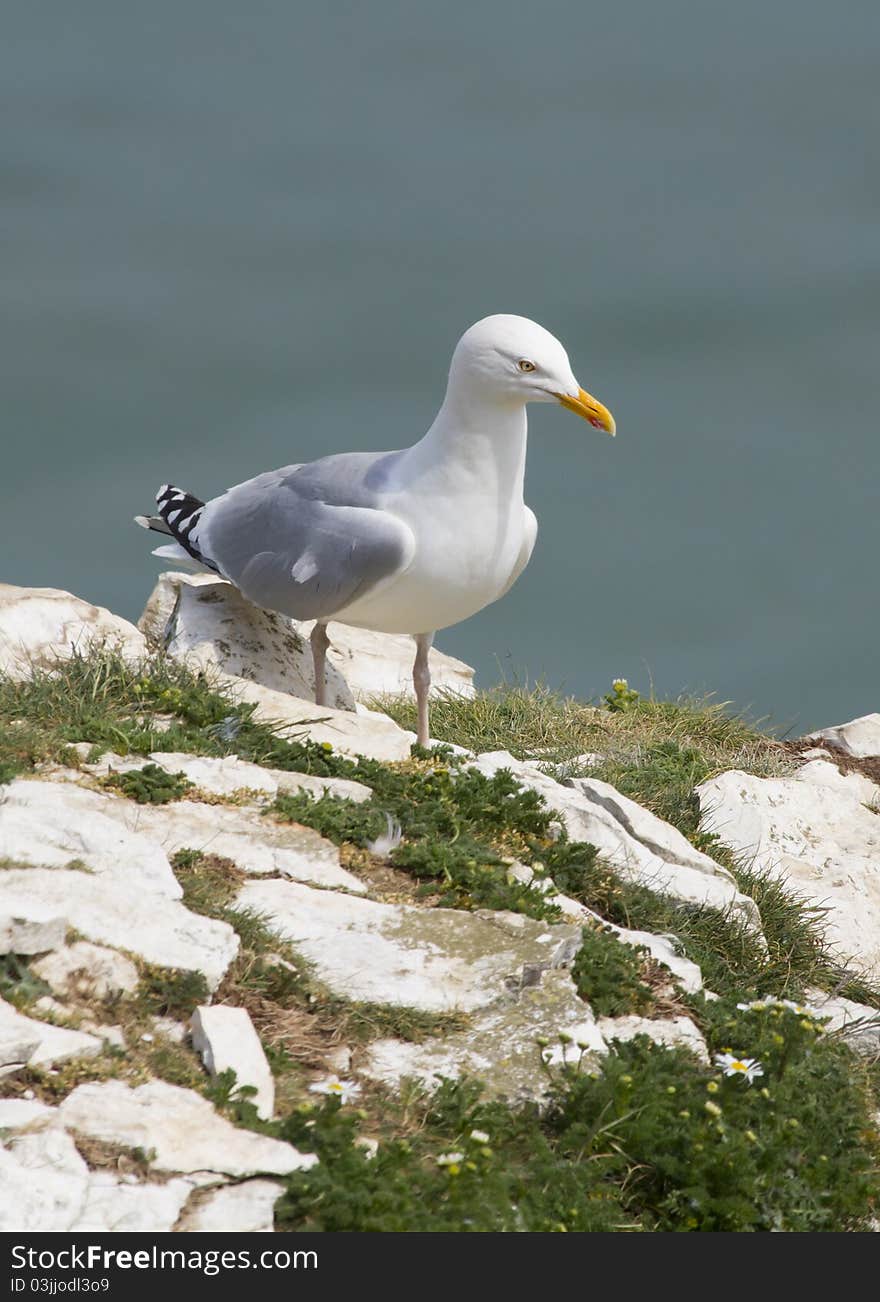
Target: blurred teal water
x,y
237,236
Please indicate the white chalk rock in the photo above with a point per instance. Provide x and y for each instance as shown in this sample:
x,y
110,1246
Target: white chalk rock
x,y
19,1114
17,1042
171,1029
208,623
858,1024
180,1129
852,786
111,1206
225,1039
255,844
363,732
637,844
41,626
111,1036
661,948
87,971
110,911
50,1044
500,1047
54,824
43,1182
35,930
246,1208
820,831
433,959
859,738
671,1032
46,1186
229,775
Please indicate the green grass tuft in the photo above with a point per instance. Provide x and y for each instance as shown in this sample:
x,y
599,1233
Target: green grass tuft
x,y
150,785
170,992
608,974
20,986
537,723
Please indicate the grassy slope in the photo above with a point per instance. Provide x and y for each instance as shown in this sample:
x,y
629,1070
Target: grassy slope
x,y
636,1146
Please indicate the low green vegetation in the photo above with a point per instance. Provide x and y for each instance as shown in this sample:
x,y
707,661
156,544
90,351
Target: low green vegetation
x,y
170,992
138,710
653,1141
456,827
150,785
20,986
610,975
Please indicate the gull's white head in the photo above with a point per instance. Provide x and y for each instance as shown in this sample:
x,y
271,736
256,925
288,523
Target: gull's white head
x,y
514,360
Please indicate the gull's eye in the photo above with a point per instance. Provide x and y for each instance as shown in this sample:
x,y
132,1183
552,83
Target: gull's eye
x,y
526,365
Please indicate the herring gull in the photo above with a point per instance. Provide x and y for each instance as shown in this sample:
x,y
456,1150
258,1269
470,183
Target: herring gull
x,y
400,542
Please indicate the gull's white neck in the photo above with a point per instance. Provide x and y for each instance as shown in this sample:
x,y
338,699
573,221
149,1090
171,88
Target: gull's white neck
x,y
475,446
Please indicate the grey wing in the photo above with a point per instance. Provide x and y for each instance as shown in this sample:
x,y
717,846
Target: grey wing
x,y
286,543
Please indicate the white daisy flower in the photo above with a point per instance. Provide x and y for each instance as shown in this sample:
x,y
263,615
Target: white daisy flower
x,y
344,1090
760,1005
800,1009
450,1159
480,1136
733,1066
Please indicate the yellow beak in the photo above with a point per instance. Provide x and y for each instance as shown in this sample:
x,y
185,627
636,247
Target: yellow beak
x,y
592,410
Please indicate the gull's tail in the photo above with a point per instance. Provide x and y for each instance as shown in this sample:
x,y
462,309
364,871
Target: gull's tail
x,y
178,518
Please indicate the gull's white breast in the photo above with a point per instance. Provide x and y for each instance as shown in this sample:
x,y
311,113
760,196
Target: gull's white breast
x,y
468,552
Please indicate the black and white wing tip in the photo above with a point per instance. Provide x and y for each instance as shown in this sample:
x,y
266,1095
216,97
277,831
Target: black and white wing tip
x,y
178,518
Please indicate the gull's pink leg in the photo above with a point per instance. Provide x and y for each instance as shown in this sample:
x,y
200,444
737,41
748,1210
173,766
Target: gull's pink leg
x,y
320,642
422,683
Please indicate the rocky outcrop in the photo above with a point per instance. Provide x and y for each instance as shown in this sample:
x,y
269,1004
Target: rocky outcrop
x,y
436,960
207,621
362,732
225,1039
501,1045
860,738
231,776
41,626
76,860
34,932
246,1208
110,911
178,1129
661,948
53,825
85,971
640,846
818,830
856,1023
674,1032
46,1185
25,1041
256,845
